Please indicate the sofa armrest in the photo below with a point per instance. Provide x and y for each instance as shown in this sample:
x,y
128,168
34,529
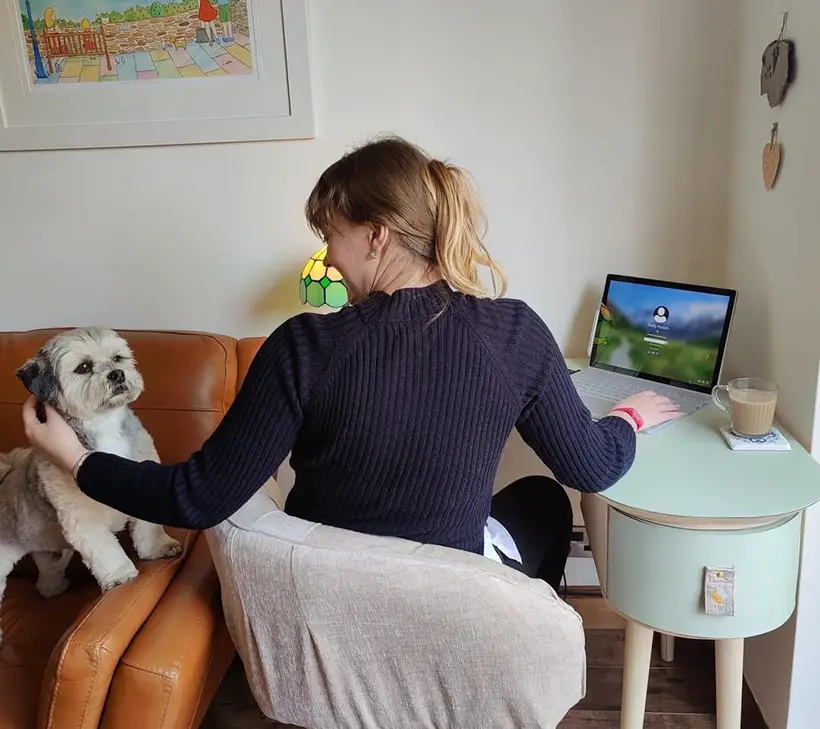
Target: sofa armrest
x,y
81,667
172,669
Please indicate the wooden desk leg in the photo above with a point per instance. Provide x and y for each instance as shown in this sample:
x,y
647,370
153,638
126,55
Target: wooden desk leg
x,y
637,655
668,648
729,679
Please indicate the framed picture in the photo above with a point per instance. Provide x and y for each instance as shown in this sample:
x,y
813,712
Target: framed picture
x,y
123,73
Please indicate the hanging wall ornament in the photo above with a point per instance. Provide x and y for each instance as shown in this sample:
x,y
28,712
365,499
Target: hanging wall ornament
x,y
771,159
778,67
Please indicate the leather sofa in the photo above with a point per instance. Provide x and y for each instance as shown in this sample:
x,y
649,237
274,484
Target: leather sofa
x,y
153,652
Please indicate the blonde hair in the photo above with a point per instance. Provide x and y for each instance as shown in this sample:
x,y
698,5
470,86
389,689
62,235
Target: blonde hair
x,y
428,204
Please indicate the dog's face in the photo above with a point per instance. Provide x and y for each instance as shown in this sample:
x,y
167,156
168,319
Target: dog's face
x,y
84,372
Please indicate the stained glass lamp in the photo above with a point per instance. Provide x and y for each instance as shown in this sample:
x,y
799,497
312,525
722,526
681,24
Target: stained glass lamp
x,y
322,285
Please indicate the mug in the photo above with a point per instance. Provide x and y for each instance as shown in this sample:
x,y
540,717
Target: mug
x,y
750,402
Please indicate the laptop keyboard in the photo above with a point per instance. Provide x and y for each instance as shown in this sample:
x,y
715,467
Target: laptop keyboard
x,y
612,387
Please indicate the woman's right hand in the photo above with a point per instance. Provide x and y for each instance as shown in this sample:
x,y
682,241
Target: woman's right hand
x,y
653,408
55,439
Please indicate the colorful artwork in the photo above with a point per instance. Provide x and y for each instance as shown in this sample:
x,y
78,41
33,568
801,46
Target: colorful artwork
x,y
77,41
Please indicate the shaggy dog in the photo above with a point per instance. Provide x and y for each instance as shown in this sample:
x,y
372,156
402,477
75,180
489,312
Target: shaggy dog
x,y
90,377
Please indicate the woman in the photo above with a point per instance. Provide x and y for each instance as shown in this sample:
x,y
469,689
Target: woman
x,y
207,15
395,409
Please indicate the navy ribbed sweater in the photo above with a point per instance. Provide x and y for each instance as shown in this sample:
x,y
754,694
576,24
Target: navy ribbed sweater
x,y
396,411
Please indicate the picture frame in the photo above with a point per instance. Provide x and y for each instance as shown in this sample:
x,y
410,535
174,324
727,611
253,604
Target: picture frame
x,y
130,73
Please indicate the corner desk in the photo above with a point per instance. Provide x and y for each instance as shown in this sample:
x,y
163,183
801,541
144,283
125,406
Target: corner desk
x,y
687,504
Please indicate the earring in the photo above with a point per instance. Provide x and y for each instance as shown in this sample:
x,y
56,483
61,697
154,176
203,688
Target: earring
x,y
371,255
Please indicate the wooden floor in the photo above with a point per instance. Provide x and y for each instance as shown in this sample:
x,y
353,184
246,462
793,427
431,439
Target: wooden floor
x,y
681,694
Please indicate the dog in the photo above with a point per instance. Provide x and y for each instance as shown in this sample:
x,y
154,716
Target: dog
x,y
91,378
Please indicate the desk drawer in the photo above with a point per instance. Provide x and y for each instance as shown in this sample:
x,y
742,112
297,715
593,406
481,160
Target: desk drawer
x,y
655,575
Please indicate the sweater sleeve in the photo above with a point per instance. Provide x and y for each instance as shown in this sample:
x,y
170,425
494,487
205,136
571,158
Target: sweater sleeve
x,y
248,445
583,454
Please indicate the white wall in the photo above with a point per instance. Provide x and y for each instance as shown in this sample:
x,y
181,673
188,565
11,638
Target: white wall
x,y
774,259
576,118
596,132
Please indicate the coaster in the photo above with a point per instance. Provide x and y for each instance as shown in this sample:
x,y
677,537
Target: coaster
x,y
774,440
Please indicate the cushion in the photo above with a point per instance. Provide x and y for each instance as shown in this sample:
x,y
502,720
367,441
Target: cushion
x,y
342,629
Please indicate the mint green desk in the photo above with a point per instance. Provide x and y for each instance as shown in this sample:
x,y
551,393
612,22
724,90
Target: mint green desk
x,y
688,503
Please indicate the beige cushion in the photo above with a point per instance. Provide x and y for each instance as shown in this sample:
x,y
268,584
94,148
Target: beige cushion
x,y
344,630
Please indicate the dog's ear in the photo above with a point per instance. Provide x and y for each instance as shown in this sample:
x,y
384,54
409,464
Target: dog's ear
x,y
39,379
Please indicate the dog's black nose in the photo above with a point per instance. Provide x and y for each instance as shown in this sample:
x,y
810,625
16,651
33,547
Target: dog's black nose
x,y
116,376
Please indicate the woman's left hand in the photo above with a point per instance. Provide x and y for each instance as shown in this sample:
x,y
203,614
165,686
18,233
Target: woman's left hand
x,y
54,439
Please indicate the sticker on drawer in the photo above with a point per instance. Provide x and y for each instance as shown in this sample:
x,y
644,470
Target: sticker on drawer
x,y
719,590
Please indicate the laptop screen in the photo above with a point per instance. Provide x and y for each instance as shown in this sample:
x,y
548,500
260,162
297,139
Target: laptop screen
x,y
662,331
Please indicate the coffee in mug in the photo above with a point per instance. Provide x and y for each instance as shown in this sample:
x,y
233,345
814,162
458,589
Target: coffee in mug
x,y
750,402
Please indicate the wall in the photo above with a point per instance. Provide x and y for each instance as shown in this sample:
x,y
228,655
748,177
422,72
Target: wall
x,y
150,35
139,35
575,119
596,133
774,259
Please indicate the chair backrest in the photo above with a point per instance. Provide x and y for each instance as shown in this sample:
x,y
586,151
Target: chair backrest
x,y
342,629
246,350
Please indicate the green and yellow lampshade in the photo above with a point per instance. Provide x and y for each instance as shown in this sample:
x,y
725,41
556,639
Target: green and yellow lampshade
x,y
322,285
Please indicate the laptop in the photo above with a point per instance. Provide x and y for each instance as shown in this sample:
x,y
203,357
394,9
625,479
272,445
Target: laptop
x,y
656,335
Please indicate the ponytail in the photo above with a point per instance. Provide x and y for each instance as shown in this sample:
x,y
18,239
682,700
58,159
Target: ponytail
x,y
459,224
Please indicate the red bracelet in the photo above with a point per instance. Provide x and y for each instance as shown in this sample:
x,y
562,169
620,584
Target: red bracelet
x,y
632,413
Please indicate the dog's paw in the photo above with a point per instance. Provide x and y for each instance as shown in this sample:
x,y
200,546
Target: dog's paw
x,y
52,587
162,549
124,574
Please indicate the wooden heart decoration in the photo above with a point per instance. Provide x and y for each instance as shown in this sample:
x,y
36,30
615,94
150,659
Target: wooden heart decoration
x,y
771,163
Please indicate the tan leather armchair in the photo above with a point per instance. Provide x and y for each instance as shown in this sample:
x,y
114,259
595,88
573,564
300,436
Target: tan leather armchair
x,y
153,652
